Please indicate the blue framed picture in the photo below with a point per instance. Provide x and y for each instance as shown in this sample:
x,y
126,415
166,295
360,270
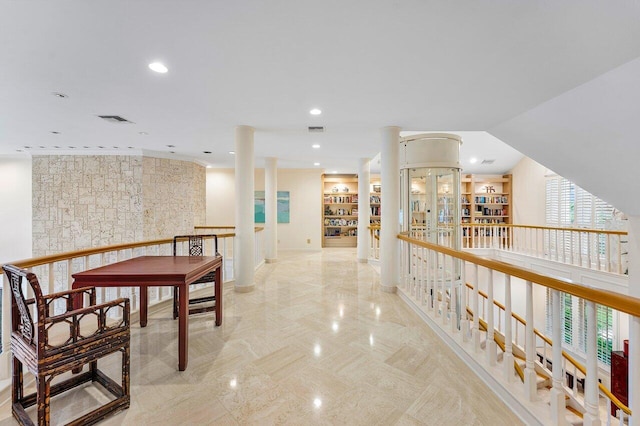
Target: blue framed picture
x,y
283,206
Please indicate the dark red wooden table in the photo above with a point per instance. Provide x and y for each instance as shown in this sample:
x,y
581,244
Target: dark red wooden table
x,y
157,271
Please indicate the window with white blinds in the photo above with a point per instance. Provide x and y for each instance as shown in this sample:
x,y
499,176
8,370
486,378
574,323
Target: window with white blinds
x,y
569,206
574,326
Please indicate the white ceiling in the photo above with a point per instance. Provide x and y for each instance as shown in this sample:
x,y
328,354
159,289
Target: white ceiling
x,y
422,65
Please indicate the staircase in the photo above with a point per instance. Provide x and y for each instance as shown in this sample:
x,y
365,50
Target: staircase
x,y
574,403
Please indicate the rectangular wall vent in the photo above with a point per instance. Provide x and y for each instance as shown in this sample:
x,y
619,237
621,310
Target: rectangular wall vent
x,y
488,161
114,119
316,129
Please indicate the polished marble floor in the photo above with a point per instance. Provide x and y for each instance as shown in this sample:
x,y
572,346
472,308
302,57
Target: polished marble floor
x,y
316,342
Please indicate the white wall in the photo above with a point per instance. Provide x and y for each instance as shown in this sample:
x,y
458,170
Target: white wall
x,y
528,182
15,208
305,191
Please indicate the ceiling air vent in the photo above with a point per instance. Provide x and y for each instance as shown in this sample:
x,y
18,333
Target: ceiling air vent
x,y
316,129
114,119
488,161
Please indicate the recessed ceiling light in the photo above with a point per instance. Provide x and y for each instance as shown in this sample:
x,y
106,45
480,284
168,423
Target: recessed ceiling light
x,y
232,152
473,160
315,111
206,152
335,171
209,166
60,95
171,146
143,133
158,67
316,164
315,146
55,133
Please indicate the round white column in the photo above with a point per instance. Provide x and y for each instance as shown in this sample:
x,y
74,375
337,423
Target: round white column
x,y
271,209
390,208
244,245
364,210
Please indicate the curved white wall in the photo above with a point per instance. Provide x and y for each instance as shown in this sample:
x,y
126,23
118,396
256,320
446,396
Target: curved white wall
x,y
15,208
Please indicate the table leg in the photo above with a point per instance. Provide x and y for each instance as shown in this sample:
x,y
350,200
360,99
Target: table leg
x,y
183,327
143,306
218,290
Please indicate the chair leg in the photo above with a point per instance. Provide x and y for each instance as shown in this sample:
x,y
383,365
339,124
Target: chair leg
x,y
17,389
43,399
125,371
93,368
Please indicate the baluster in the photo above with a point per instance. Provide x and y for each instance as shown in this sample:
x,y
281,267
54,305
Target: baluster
x,y
558,404
590,253
476,311
464,302
491,343
508,338
620,267
52,281
452,297
443,289
597,250
420,280
591,417
530,350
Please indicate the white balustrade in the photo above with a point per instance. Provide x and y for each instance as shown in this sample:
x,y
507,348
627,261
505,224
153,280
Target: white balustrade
x,y
434,269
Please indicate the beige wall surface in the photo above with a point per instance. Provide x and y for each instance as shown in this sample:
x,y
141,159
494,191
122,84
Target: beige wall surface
x,y
528,182
305,192
221,205
91,201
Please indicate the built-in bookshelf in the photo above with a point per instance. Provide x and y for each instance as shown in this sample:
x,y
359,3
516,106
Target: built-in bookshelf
x,y
375,198
340,211
485,199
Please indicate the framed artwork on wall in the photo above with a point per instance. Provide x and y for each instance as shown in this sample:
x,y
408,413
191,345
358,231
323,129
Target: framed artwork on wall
x,y
283,207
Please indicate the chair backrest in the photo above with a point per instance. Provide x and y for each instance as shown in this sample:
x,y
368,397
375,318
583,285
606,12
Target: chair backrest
x,y
21,319
196,243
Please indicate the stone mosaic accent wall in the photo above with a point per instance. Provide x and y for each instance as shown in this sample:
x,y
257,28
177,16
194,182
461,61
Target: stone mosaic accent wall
x,y
92,201
174,197
85,201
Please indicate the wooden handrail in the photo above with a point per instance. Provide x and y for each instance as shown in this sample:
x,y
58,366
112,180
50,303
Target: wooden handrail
x,y
43,260
549,228
256,228
565,355
620,302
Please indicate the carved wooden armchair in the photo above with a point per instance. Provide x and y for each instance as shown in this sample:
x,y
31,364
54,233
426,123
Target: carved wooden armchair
x,y
196,248
49,344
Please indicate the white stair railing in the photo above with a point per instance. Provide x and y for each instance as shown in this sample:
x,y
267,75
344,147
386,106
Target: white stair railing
x,y
430,273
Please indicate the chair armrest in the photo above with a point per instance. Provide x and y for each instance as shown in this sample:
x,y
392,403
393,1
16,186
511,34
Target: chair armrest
x,y
123,302
90,290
